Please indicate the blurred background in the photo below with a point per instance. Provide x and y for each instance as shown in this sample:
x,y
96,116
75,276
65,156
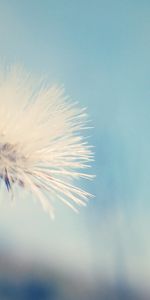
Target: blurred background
x,y
100,51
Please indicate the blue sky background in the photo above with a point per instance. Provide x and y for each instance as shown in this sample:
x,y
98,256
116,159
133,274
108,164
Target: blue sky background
x,y
100,51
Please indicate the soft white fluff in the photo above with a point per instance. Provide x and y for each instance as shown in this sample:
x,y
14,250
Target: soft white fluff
x,y
41,146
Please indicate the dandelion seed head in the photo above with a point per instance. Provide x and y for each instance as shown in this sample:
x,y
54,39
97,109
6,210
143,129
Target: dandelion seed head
x,y
42,145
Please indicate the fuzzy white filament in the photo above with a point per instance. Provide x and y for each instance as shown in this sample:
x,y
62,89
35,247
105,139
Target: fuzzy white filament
x,y
41,146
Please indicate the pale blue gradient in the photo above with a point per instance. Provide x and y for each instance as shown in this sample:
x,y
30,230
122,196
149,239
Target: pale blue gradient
x,y
100,51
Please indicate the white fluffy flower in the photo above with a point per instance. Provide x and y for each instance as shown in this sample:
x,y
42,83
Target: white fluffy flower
x,y
41,146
